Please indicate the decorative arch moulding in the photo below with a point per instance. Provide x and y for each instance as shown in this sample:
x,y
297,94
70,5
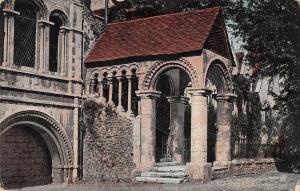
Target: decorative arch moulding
x,y
160,66
51,124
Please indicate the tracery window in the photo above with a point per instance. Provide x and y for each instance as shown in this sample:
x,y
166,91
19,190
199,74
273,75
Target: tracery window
x,y
25,34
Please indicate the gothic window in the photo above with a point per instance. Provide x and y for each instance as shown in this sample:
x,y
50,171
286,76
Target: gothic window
x,y
25,34
54,43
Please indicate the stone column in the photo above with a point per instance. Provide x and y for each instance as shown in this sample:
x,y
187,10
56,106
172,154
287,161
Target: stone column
x,y
223,144
101,88
120,107
129,110
177,110
198,168
44,27
41,67
110,93
9,26
145,149
75,141
63,53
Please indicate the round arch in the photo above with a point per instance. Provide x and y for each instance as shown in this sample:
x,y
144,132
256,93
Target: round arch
x,y
39,4
217,73
52,133
61,15
159,67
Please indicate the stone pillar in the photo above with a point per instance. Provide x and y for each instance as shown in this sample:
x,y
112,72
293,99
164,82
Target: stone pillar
x,y
223,144
101,88
198,168
110,93
177,110
9,26
63,54
44,27
75,141
41,67
148,130
120,107
129,110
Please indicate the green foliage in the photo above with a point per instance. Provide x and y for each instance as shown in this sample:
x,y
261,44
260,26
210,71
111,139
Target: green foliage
x,y
248,123
270,32
91,111
147,8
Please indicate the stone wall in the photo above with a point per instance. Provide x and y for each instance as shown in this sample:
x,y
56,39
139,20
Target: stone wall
x,y
24,159
92,27
251,166
108,149
244,166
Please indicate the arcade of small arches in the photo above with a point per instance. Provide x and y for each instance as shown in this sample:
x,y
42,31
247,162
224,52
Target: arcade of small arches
x,y
172,109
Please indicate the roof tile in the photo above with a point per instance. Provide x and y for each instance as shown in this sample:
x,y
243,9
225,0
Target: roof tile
x,y
158,35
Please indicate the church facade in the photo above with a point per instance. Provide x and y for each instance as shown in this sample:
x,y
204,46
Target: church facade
x,y
158,72
41,89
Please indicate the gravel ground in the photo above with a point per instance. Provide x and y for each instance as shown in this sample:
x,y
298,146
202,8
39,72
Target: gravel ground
x,y
271,181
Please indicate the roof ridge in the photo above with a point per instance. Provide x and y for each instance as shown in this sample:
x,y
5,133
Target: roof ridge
x,y
165,15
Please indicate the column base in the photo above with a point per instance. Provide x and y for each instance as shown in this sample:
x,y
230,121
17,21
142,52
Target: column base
x,y
120,109
200,171
130,114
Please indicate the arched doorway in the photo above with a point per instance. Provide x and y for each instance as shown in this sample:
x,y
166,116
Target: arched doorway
x,y
34,150
24,158
172,115
219,112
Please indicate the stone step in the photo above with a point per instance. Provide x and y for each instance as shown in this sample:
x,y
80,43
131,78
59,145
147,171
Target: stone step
x,y
180,174
177,168
166,160
161,164
161,180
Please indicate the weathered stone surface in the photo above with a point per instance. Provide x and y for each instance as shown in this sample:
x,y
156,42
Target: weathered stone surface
x,y
24,159
108,150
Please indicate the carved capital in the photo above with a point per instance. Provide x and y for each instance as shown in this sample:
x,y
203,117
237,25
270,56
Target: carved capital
x,y
144,94
199,92
226,97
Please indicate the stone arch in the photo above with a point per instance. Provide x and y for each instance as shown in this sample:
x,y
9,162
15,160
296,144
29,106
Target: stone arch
x,y
161,66
39,4
103,71
121,69
217,72
61,15
134,67
113,70
52,133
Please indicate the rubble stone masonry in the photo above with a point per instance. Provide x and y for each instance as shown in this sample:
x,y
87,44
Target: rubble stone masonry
x,y
108,150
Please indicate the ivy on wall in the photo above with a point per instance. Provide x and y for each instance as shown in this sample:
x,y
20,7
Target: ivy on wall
x,y
248,120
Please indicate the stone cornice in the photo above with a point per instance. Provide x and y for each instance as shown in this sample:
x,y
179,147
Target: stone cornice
x,y
39,74
37,102
40,91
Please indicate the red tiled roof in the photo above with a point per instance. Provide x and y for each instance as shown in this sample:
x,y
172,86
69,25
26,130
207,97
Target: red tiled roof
x,y
158,35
